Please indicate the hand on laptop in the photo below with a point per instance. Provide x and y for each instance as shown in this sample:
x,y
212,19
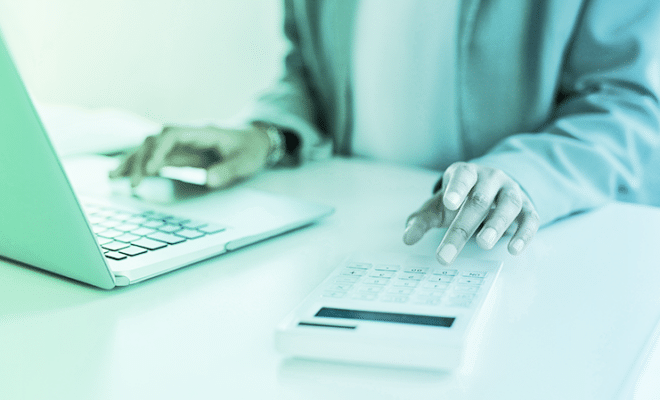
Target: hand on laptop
x,y
472,195
227,155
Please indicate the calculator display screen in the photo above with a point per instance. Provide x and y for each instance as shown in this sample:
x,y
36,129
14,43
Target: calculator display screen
x,y
378,316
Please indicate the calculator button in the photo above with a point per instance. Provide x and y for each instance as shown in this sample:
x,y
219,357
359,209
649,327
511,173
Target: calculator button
x,y
461,296
339,288
441,279
459,303
471,281
412,276
376,281
364,266
370,289
333,294
393,268
446,272
475,274
395,299
428,301
400,290
431,293
347,279
466,288
416,270
353,272
436,286
405,283
382,274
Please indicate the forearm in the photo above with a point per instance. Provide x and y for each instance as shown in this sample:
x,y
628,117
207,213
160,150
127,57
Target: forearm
x,y
292,104
601,139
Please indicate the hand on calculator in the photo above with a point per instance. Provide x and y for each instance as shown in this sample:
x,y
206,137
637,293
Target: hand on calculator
x,y
472,195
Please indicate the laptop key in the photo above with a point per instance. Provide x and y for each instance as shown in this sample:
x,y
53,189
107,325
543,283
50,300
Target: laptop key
x,y
110,233
115,256
189,233
170,228
154,223
149,244
114,246
142,231
133,251
166,237
127,238
211,228
194,224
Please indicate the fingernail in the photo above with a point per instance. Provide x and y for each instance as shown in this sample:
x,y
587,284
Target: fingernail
x,y
452,200
447,253
488,236
517,245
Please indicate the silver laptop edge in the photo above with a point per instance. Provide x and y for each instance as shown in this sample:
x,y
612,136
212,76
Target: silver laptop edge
x,y
41,221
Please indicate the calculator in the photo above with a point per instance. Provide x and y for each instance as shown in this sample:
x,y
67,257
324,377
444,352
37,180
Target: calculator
x,y
390,309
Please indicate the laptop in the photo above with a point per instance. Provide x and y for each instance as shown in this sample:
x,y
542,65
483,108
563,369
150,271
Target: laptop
x,y
44,223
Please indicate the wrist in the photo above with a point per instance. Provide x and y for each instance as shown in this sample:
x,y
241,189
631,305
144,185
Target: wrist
x,y
276,143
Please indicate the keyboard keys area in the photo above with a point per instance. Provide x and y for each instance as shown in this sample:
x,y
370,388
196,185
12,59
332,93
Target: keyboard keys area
x,y
123,233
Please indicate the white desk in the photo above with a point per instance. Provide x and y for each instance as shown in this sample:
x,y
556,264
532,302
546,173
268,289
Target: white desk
x,y
568,318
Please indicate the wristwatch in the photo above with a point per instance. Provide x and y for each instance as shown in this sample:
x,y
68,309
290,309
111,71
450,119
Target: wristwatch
x,y
276,149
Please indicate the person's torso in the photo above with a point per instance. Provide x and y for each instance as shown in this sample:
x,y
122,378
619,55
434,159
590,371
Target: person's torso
x,y
507,66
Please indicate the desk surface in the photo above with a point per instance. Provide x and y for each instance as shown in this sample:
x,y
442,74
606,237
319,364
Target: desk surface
x,y
573,317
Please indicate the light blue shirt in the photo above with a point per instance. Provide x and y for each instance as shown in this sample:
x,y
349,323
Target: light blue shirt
x,y
562,95
404,82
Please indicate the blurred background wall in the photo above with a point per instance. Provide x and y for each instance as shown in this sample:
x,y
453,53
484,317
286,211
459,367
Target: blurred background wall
x,y
167,60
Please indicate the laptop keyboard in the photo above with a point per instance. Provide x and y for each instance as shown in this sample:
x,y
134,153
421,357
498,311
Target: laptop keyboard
x,y
123,233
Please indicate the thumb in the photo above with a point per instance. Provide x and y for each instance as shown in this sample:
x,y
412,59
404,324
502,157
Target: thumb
x,y
232,169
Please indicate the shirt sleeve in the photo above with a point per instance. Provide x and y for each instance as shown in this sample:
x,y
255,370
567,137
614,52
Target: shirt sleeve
x,y
291,104
603,140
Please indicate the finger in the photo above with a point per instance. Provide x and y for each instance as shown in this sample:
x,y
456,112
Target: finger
x,y
232,169
163,146
122,169
508,205
137,171
463,177
415,229
428,216
469,217
196,147
448,216
187,159
528,225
